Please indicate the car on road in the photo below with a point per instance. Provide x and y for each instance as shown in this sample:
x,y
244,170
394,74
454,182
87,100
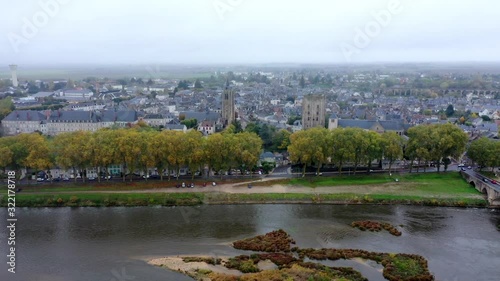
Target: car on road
x,y
461,165
485,180
494,182
40,179
470,167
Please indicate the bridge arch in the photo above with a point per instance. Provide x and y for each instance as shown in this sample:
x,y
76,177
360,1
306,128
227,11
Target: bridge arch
x,y
473,184
484,191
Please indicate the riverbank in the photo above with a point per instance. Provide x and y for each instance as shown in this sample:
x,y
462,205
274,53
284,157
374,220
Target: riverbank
x,y
192,199
447,189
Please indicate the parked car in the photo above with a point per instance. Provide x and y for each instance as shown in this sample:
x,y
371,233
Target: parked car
x,y
40,179
461,165
91,178
65,179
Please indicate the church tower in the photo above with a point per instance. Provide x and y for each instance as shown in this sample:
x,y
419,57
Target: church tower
x,y
228,114
313,111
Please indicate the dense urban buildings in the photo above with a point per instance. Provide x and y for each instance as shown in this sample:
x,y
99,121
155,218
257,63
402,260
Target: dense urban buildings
x,y
287,98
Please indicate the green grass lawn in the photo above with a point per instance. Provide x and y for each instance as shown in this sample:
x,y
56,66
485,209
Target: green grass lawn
x,y
429,183
444,189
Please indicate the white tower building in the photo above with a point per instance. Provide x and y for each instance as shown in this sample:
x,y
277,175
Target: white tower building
x,y
13,71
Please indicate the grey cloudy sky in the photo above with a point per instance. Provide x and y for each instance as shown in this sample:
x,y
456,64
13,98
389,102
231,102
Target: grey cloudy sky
x,y
247,31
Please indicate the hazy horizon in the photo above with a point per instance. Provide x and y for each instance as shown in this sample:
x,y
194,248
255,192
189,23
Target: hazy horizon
x,y
205,32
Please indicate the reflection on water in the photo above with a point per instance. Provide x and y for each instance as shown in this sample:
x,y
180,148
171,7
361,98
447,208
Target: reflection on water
x,y
99,243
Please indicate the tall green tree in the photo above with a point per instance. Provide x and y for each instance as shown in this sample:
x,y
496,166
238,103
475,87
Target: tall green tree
x,y
343,150
6,107
301,149
197,84
160,151
392,147
485,152
128,151
311,146
302,82
217,152
450,110
359,143
72,150
193,148
373,148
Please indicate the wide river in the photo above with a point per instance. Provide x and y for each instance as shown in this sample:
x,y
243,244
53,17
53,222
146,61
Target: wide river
x,y
112,244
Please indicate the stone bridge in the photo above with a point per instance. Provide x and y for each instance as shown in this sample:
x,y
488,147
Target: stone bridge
x,y
492,191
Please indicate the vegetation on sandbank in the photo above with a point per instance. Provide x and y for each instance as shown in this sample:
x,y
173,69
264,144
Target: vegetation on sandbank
x,y
376,226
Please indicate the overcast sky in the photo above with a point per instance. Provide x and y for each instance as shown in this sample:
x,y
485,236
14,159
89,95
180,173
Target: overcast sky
x,y
248,31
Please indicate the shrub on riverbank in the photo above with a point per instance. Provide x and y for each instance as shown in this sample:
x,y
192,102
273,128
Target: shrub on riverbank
x,y
242,263
396,266
295,272
406,267
376,226
275,241
208,260
107,200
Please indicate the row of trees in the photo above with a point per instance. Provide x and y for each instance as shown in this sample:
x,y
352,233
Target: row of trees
x,y
436,143
141,149
344,145
135,149
428,143
485,152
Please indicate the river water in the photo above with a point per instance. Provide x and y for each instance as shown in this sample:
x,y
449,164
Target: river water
x,y
112,244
